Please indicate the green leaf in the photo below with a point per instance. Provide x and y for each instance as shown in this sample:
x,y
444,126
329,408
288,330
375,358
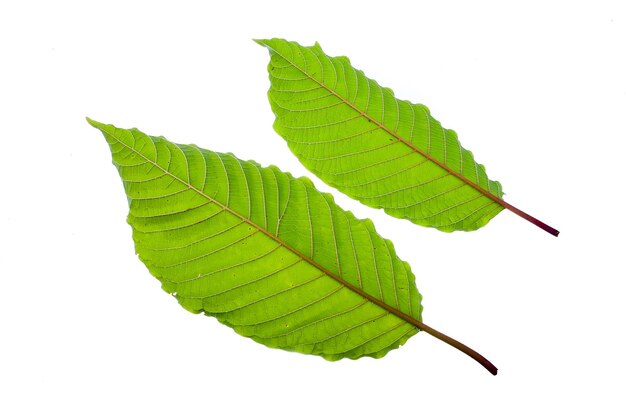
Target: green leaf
x,y
263,252
385,152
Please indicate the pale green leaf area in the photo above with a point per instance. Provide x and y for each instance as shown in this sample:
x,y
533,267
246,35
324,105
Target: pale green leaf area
x,y
387,153
263,252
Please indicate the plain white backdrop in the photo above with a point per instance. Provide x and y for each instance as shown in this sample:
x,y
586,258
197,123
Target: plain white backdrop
x,y
536,89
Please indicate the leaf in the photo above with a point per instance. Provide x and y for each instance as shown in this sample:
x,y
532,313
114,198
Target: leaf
x,y
385,152
263,252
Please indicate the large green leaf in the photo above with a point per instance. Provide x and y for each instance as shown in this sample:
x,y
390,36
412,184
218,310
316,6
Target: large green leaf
x,y
385,152
263,252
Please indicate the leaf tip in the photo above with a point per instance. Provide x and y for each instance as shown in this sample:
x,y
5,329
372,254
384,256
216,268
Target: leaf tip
x,y
94,123
262,42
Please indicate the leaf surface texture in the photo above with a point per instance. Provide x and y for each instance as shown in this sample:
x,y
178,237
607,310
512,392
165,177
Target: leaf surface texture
x,y
263,252
387,153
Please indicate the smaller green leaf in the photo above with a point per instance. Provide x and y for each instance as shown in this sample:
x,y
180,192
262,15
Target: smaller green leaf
x,y
387,153
265,253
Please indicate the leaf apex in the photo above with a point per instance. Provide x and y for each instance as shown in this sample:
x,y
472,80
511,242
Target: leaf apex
x,y
98,125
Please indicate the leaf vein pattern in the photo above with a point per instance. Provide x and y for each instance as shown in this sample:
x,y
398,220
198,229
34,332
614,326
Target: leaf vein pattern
x,y
301,307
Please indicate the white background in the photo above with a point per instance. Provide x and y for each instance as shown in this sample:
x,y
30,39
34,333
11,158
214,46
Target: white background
x,y
537,90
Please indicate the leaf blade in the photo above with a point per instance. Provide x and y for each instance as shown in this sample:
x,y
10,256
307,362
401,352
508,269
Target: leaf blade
x,y
333,315
357,137
171,238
